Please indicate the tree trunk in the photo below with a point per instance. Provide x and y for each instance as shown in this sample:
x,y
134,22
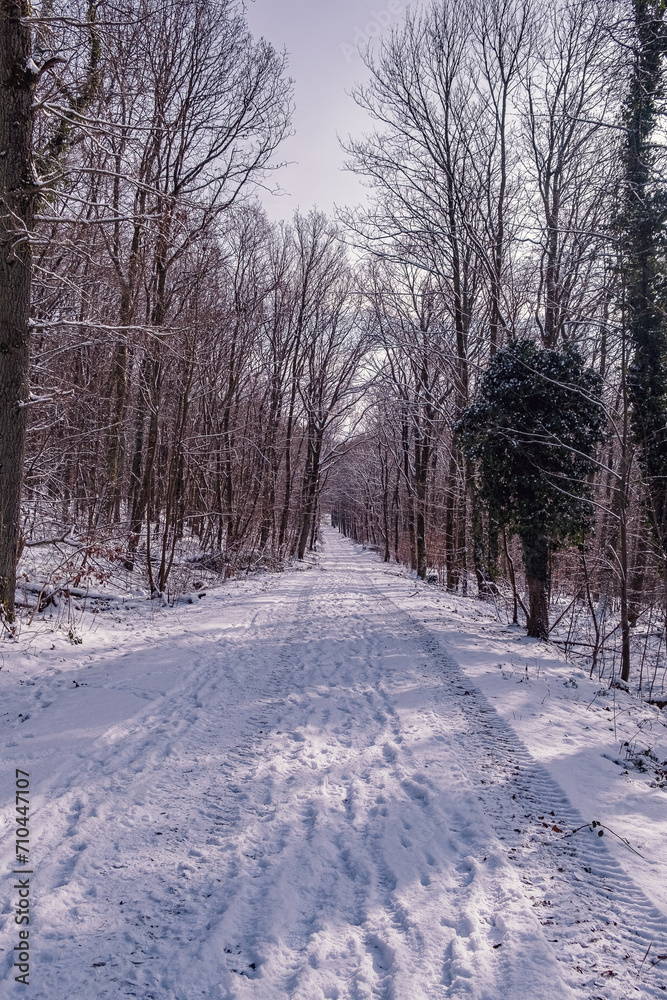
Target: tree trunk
x,y
485,556
397,511
422,462
625,622
510,570
636,587
284,520
384,474
117,391
314,528
135,498
450,505
623,525
536,560
310,485
407,472
17,205
270,472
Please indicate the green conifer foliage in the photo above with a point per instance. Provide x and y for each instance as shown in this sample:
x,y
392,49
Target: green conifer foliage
x,y
644,248
532,432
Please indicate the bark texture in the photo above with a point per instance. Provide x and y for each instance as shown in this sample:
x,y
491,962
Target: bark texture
x,y
17,200
536,560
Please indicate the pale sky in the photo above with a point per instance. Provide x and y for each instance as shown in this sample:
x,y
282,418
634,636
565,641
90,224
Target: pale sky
x,y
321,37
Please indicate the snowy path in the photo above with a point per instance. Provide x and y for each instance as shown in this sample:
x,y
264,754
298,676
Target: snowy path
x,y
303,797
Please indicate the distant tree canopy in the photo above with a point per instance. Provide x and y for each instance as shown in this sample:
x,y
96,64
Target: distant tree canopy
x,y
532,431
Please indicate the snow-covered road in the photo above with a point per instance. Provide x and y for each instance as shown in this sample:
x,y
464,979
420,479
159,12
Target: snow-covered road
x,y
299,794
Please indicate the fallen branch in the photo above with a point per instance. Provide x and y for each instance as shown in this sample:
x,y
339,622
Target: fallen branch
x,y
600,827
51,541
66,591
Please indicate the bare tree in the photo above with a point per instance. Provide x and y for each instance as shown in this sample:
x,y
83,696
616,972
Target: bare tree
x,y
569,109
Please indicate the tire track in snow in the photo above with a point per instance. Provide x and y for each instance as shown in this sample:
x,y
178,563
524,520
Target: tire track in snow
x,y
390,862
347,861
125,786
320,811
600,919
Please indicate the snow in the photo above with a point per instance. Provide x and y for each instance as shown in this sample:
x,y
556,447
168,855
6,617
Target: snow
x,y
330,783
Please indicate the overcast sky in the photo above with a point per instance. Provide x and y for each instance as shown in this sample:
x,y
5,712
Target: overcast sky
x,y
321,37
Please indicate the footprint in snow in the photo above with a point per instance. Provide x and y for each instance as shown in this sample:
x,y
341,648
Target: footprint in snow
x,y
416,792
381,953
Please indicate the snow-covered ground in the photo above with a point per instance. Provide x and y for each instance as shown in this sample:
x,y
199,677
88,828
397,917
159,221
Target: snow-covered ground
x,y
332,783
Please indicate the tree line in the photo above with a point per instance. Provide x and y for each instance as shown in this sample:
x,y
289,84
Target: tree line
x,y
515,265
469,372
189,359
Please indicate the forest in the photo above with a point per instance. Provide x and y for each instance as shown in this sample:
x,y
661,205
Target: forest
x,y
468,373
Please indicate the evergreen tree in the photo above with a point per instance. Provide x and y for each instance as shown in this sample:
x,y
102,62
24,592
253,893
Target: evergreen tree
x,y
644,251
532,431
